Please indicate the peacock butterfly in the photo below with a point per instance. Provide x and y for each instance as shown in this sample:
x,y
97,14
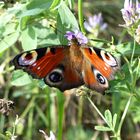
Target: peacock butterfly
x,y
67,67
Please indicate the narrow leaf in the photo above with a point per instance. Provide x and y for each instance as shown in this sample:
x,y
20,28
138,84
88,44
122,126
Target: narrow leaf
x,y
102,128
23,22
55,4
108,117
114,120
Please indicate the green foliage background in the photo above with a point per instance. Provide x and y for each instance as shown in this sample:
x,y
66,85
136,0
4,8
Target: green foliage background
x,y
25,25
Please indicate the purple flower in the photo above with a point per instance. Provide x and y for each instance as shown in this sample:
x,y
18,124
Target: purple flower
x,y
131,12
81,39
95,23
131,16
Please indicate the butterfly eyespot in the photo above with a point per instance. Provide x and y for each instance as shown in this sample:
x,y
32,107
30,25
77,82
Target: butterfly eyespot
x,y
55,77
27,58
109,59
100,78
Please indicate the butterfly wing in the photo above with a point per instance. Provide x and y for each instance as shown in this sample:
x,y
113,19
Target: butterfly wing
x,y
38,62
50,64
98,67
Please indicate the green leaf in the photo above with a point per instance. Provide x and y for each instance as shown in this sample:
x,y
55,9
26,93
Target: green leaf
x,y
102,128
36,7
71,3
42,115
136,69
114,120
5,18
55,4
16,10
29,39
9,29
108,117
46,37
126,49
116,104
42,84
63,30
8,41
20,78
23,22
68,19
39,4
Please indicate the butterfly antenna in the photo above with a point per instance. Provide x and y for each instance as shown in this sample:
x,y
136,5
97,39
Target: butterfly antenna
x,y
57,29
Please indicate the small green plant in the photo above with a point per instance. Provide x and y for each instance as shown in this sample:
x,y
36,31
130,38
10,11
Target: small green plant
x,y
111,120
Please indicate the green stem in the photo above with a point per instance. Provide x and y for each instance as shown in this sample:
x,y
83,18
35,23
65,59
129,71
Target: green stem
x,y
133,52
60,99
97,110
30,105
137,73
30,124
80,110
129,67
80,16
123,116
48,111
2,118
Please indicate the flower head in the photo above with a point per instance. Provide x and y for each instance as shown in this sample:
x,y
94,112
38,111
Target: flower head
x,y
131,12
137,7
78,36
131,16
95,24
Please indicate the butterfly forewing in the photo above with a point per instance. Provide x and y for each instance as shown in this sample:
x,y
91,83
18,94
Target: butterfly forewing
x,y
35,61
102,61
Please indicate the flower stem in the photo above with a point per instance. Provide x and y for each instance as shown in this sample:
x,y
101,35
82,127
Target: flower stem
x,y
30,105
123,116
80,110
132,56
97,110
80,16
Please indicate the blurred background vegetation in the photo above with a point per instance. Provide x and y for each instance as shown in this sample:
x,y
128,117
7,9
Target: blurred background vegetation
x,y
25,25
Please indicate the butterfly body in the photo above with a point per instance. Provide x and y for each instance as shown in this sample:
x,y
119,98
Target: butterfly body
x,y
67,67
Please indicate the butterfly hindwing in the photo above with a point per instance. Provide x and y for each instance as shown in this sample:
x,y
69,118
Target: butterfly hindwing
x,y
93,78
68,77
